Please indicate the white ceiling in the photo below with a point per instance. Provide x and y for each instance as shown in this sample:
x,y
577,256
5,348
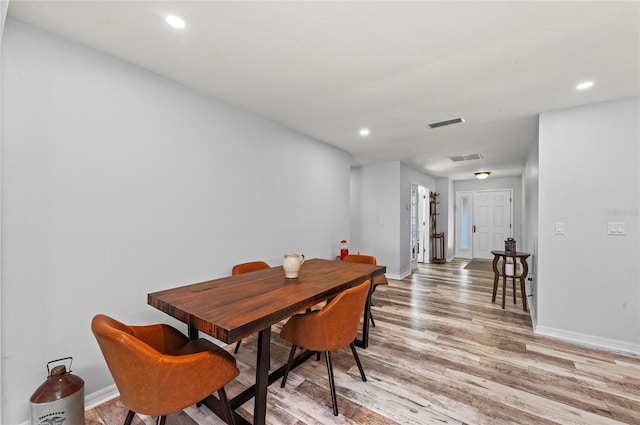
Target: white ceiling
x,y
326,69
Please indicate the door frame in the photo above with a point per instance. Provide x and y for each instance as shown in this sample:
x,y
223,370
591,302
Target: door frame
x,y
423,237
459,252
423,224
510,233
457,207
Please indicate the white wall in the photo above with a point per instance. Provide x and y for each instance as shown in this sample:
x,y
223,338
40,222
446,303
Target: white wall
x,y
375,197
445,222
530,224
380,220
589,282
117,183
4,4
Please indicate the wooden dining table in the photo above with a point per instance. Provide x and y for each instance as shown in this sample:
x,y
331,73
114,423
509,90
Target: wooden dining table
x,y
234,307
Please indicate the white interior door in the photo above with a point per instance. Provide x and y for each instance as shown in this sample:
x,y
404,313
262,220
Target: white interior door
x,y
414,226
423,218
491,221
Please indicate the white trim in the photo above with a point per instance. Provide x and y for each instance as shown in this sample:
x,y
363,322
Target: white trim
x,y
101,396
531,302
591,341
397,276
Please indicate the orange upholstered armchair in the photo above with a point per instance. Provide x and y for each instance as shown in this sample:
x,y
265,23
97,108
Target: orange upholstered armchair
x,y
241,268
251,266
333,327
159,371
377,280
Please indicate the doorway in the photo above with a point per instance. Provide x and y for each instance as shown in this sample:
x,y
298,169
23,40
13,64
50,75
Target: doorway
x,y
483,221
419,225
423,225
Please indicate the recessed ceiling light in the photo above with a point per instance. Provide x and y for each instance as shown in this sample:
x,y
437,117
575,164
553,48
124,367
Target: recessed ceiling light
x,y
175,21
364,132
584,85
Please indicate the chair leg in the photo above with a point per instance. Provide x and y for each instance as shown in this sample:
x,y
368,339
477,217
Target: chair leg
x,y
373,323
332,385
288,368
129,417
373,289
161,420
226,407
237,347
355,356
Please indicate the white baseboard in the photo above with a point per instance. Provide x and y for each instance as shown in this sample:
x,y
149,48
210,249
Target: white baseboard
x,y
397,276
101,396
591,341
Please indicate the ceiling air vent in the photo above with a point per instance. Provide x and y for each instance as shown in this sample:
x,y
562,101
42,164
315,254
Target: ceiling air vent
x,y
473,156
447,122
470,157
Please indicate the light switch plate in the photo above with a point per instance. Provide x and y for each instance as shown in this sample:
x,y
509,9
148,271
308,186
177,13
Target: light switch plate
x,y
559,228
616,228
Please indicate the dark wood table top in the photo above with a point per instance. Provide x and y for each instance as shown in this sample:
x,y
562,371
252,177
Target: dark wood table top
x,y
511,254
234,307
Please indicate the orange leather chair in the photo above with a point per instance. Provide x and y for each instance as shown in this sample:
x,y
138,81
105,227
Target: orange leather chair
x,y
241,268
333,327
159,371
377,280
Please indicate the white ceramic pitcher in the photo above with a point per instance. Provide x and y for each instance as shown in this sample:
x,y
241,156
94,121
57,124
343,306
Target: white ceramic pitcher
x,y
291,265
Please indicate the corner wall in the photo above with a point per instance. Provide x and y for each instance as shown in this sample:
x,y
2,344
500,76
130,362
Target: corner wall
x,y
375,213
588,281
380,220
4,4
530,176
446,216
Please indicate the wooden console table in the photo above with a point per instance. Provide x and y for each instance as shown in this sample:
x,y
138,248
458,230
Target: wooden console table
x,y
522,256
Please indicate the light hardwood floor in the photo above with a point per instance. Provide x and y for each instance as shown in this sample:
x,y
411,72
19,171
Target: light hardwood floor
x,y
441,353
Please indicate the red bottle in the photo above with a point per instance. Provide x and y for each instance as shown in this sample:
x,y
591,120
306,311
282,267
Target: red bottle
x,y
344,249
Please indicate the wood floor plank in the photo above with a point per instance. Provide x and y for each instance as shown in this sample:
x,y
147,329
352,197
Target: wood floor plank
x,y
441,353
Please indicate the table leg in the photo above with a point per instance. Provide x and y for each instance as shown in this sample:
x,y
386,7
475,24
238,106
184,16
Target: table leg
x,y
496,275
193,333
504,280
262,376
523,276
364,342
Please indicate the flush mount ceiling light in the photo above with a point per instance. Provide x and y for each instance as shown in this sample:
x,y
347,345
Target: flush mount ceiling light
x,y
584,85
482,174
364,132
175,21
